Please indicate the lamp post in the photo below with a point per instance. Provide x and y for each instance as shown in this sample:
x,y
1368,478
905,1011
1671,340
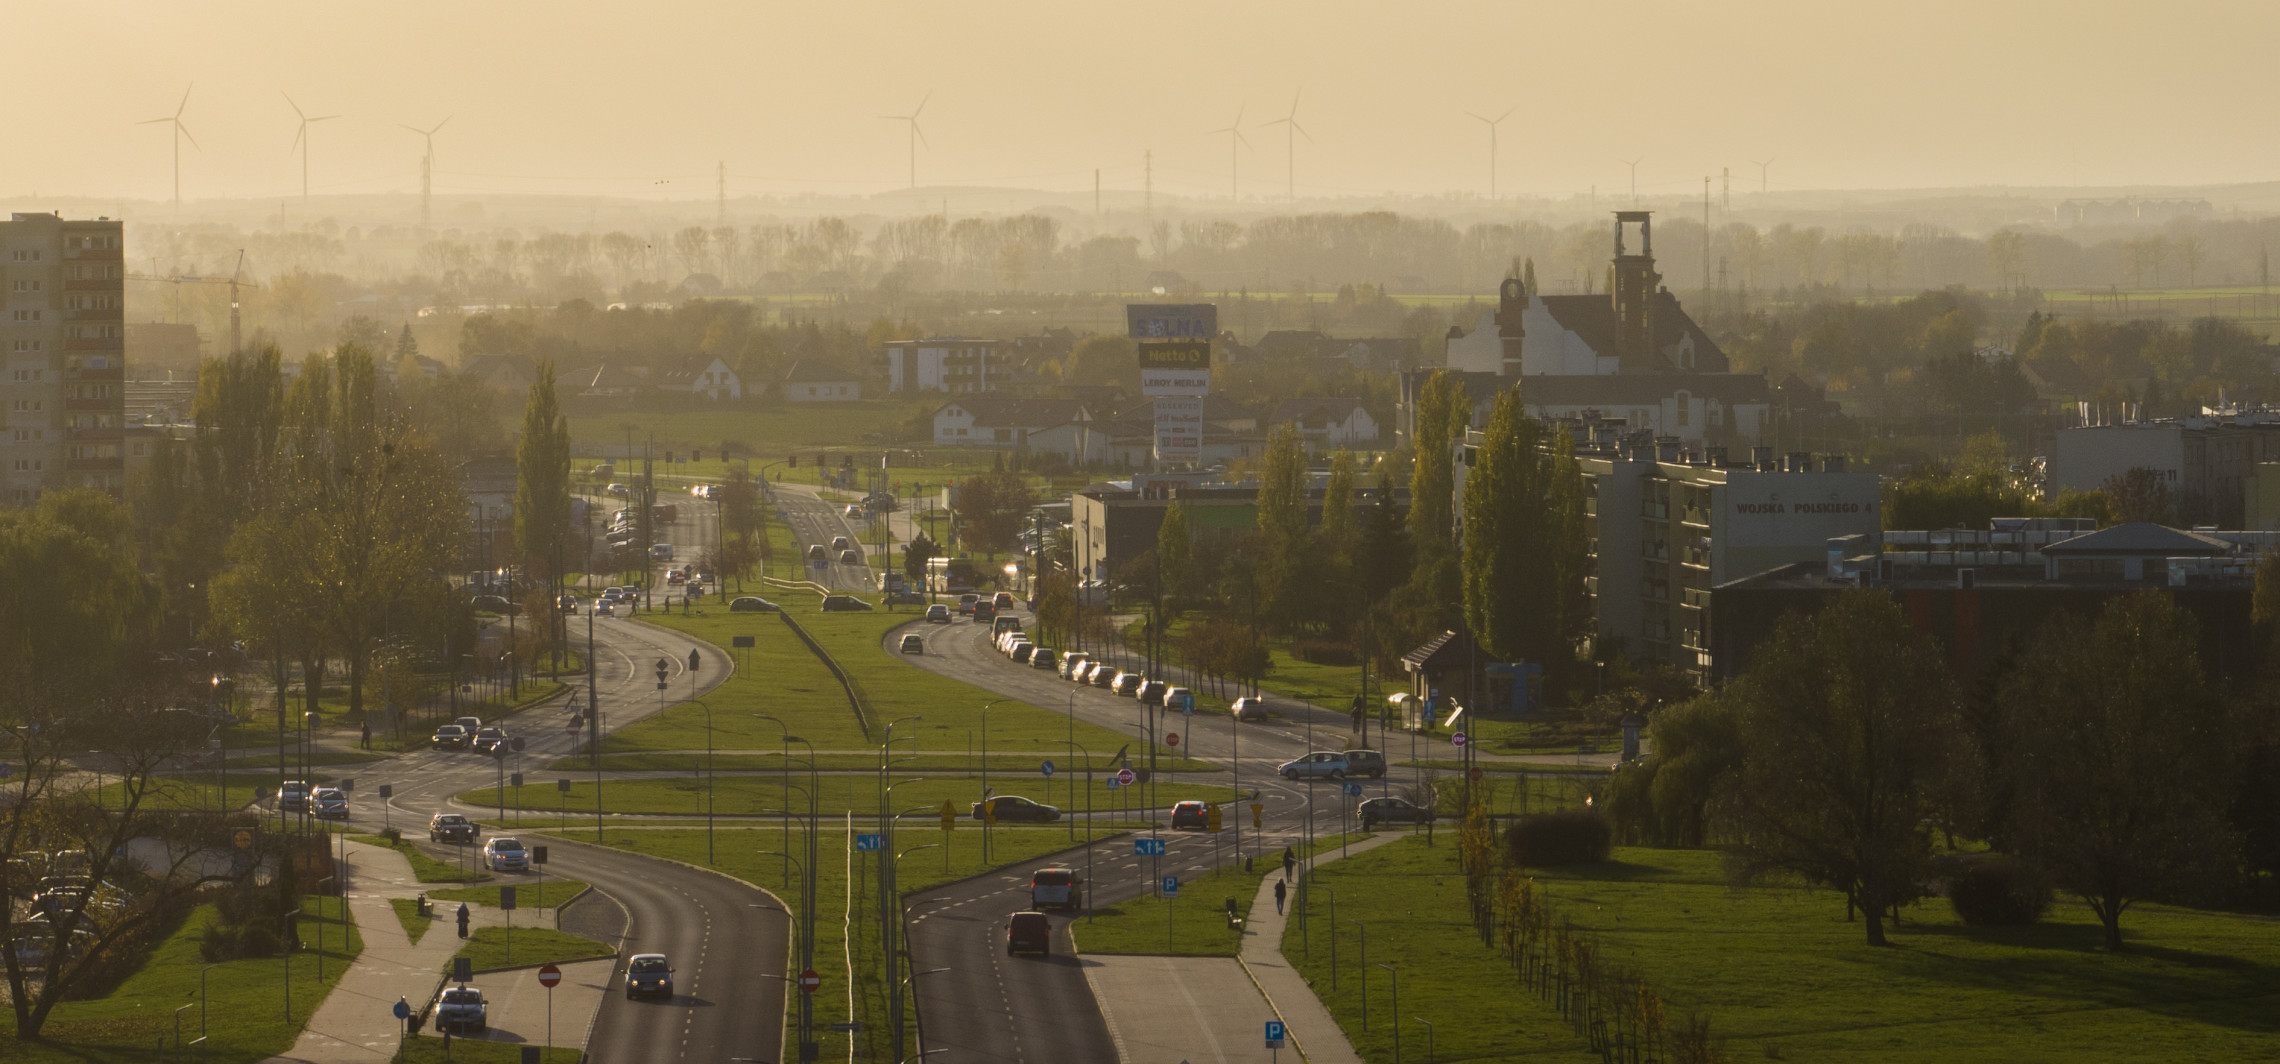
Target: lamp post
x,y
1363,930
886,893
290,938
807,947
1428,1037
1396,1011
986,796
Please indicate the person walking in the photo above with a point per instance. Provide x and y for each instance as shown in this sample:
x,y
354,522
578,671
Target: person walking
x,y
1290,861
464,915
1281,890
368,735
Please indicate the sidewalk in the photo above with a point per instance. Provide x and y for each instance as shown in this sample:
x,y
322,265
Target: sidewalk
x,y
1311,1030
1198,1009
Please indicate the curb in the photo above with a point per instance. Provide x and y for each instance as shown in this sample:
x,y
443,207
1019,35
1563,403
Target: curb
x,y
610,956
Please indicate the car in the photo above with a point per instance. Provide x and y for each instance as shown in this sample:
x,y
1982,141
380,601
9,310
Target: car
x,y
1003,600
1392,811
1021,652
1151,691
676,577
331,803
1319,765
855,511
1069,662
472,724
567,604
1002,623
1041,658
815,552
850,557
1015,807
502,853
616,489
1004,641
1055,888
904,598
749,604
1124,683
1250,709
840,543
912,644
1179,699
461,1010
496,604
1365,764
844,604
966,604
938,614
1029,932
452,736
450,827
1195,815
605,609
662,552
1103,674
984,613
292,796
490,740
648,975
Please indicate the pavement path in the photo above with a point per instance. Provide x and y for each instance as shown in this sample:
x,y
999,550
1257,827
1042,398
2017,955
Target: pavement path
x,y
1204,1010
1308,1022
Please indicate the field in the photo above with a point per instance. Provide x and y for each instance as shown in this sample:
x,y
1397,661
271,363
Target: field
x,y
1782,975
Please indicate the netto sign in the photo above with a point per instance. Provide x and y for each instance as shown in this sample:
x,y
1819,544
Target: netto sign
x,y
1175,354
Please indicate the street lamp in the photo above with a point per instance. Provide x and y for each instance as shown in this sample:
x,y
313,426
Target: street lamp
x,y
1428,1037
1396,1011
986,796
806,933
1088,825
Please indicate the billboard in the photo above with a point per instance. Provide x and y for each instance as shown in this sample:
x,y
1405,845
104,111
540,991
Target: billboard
x,y
1179,429
1171,321
1175,367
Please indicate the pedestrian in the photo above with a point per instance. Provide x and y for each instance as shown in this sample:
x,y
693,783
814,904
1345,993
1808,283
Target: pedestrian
x,y
1281,890
463,917
1290,861
368,735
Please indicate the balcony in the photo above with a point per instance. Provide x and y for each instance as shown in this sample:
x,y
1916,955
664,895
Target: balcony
x,y
113,314
113,404
110,435
115,343
94,254
114,373
94,284
94,464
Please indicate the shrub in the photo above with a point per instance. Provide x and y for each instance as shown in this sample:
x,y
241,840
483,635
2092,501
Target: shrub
x,y
393,835
1542,840
1324,652
1998,892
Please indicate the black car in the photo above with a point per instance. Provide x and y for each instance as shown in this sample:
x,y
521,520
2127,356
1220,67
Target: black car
x,y
1015,807
1029,932
844,604
449,737
1195,815
749,604
1392,811
450,827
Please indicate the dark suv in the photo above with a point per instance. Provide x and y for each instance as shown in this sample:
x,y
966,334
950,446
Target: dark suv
x,y
1195,815
1029,932
451,827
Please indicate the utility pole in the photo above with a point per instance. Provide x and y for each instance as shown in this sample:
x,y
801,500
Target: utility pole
x,y
722,179
1096,192
1725,189
1148,183
1706,232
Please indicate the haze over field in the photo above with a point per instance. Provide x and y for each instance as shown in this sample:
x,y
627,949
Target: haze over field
x,y
591,99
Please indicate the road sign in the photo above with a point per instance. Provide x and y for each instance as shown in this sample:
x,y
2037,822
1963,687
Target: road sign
x,y
507,898
1458,739
694,661
867,842
1256,810
1187,709
514,779
1353,790
516,743
387,790
244,839
1171,738
740,642
1147,847
949,815
348,783
1474,772
1124,777
1046,768
548,976
663,666
1274,1034
562,785
463,968
402,1008
1213,816
574,725
809,981
1171,886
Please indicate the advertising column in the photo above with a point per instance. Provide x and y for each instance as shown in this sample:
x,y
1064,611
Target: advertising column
x,y
1175,371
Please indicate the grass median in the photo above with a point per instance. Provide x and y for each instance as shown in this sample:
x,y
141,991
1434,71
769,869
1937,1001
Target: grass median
x,y
416,926
545,895
245,1018
1197,923
766,796
492,948
424,868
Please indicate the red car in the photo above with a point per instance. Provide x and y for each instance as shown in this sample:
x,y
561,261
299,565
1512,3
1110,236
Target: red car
x,y
1029,932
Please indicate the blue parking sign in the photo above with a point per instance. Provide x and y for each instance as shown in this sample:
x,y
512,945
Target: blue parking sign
x,y
1171,886
1274,1034
870,842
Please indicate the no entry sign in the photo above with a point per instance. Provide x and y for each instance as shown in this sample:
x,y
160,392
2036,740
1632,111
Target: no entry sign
x,y
1457,739
809,981
548,976
1124,777
1171,738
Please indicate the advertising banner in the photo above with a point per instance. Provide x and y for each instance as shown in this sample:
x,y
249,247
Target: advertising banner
x,y
1175,367
1171,321
1179,430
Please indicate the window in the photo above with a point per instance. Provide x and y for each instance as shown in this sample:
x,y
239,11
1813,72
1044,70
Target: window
x,y
142,450
88,302
1684,404
94,332
30,347
30,435
27,317
27,286
30,406
24,255
29,465
27,376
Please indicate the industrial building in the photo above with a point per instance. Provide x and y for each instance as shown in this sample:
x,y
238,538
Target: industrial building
x,y
2207,462
1113,522
63,393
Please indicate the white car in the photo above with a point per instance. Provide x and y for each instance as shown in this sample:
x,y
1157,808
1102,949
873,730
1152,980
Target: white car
x,y
503,853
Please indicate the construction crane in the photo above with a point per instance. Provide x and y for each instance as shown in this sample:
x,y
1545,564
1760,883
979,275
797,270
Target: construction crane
x,y
235,280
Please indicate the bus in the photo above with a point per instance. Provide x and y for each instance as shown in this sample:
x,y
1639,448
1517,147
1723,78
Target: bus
x,y
950,576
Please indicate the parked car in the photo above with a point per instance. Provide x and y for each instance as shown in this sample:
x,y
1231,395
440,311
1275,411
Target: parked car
x,y
1195,815
1179,699
1015,807
450,827
452,736
461,1010
1041,658
750,604
1125,683
912,644
1392,811
504,854
1029,932
1151,692
1250,709
844,604
1071,662
938,614
1103,675
648,975
1000,624
331,803
966,604
1021,652
292,796
1055,888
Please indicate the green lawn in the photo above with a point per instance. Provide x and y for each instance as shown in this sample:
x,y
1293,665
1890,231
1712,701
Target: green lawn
x,y
738,851
764,796
427,869
1027,761
428,1049
545,895
497,947
1781,969
245,1000
408,913
1198,919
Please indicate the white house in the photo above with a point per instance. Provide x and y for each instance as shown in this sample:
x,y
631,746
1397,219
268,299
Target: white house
x,y
1328,424
1717,408
815,382
1575,336
1000,421
715,381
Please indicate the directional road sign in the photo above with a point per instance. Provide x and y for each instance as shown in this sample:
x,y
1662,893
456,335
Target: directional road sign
x,y
1458,739
1046,768
869,841
1124,777
1171,886
1147,847
1187,709
1353,790
548,976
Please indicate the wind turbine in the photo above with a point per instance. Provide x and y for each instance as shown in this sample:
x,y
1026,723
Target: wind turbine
x,y
1291,132
1235,140
1492,124
917,136
1761,171
301,141
180,131
427,164
1634,165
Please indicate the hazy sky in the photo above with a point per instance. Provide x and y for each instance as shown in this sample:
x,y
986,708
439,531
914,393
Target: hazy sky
x,y
593,98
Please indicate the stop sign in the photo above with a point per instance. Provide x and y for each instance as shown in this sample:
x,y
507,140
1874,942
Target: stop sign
x,y
809,981
548,976
1124,777
1171,738
1458,739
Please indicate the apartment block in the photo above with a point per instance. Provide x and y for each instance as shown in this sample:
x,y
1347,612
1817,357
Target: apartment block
x,y
63,335
955,364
